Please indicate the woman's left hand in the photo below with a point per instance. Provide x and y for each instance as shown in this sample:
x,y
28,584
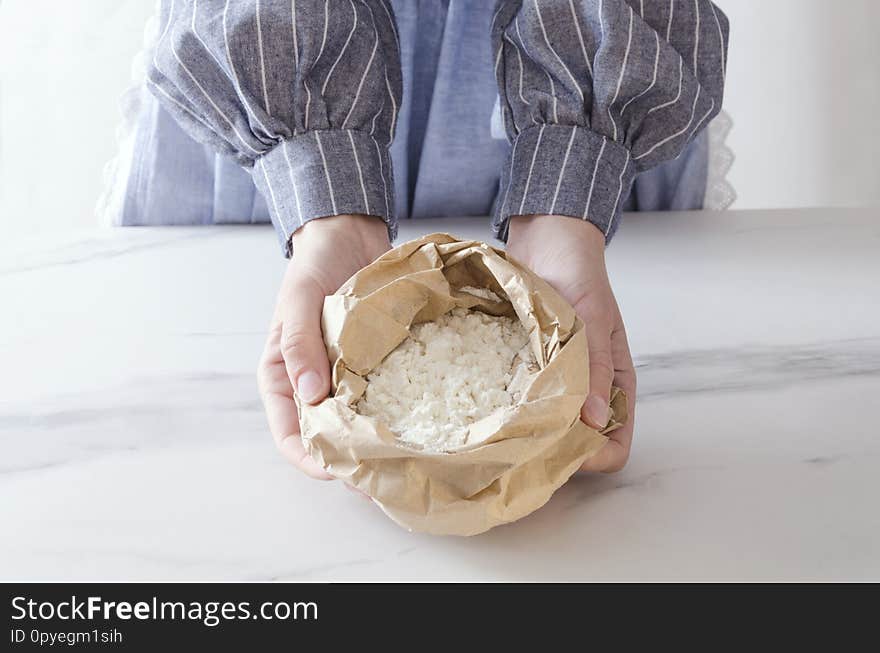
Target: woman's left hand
x,y
569,254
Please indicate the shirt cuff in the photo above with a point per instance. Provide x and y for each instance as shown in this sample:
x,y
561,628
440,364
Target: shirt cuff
x,y
324,173
564,170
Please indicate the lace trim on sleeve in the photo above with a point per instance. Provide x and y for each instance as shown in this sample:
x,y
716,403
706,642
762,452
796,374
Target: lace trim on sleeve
x,y
117,170
720,194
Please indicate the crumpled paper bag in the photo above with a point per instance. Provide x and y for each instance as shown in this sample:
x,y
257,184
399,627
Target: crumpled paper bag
x,y
514,459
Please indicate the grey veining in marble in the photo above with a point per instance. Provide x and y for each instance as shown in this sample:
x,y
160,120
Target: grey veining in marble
x,y
133,444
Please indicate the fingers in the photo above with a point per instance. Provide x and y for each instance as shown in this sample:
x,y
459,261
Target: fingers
x,y
610,458
614,455
277,395
595,410
625,379
302,343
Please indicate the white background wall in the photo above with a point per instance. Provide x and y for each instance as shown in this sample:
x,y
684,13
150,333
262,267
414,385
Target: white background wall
x,y
803,89
63,66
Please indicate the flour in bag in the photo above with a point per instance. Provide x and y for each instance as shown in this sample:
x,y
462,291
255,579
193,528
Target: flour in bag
x,y
448,374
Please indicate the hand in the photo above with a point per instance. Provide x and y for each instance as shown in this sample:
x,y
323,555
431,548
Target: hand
x,y
326,253
569,254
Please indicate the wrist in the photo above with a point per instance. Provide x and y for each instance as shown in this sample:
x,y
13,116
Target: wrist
x,y
530,232
359,235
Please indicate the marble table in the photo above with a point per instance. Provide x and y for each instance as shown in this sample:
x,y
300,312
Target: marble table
x,y
133,445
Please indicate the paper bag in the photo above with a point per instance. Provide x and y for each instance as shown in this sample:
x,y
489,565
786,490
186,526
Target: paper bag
x,y
514,459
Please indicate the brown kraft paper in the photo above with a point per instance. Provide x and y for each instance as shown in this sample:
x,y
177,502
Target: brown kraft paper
x,y
514,459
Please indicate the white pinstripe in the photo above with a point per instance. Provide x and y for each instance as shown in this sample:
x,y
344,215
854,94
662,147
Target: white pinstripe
x,y
213,104
495,16
577,28
622,71
522,98
393,26
262,60
393,108
195,116
509,178
308,103
519,36
235,81
326,172
360,87
274,203
519,58
562,170
344,48
292,182
382,174
555,54
357,163
320,52
293,29
295,48
680,132
678,96
549,78
376,115
593,181
653,81
619,191
721,40
324,37
555,100
697,36
199,38
159,70
163,35
669,23
642,8
602,32
531,168
388,84
706,115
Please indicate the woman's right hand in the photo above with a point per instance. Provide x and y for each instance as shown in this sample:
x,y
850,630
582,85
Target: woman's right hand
x,y
326,252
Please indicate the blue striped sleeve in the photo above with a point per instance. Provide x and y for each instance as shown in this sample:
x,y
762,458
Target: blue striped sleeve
x,y
594,92
305,93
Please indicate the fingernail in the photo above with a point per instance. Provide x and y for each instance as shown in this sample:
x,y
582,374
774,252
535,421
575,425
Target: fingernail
x,y
597,411
309,386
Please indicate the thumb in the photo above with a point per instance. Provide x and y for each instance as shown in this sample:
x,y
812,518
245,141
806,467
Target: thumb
x,y
595,408
302,343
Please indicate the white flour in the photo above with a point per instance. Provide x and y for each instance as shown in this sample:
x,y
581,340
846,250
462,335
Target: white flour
x,y
447,375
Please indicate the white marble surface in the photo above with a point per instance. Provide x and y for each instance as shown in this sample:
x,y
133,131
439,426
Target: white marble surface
x,y
133,446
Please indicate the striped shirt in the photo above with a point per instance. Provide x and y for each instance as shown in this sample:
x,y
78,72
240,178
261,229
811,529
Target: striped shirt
x,y
307,94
